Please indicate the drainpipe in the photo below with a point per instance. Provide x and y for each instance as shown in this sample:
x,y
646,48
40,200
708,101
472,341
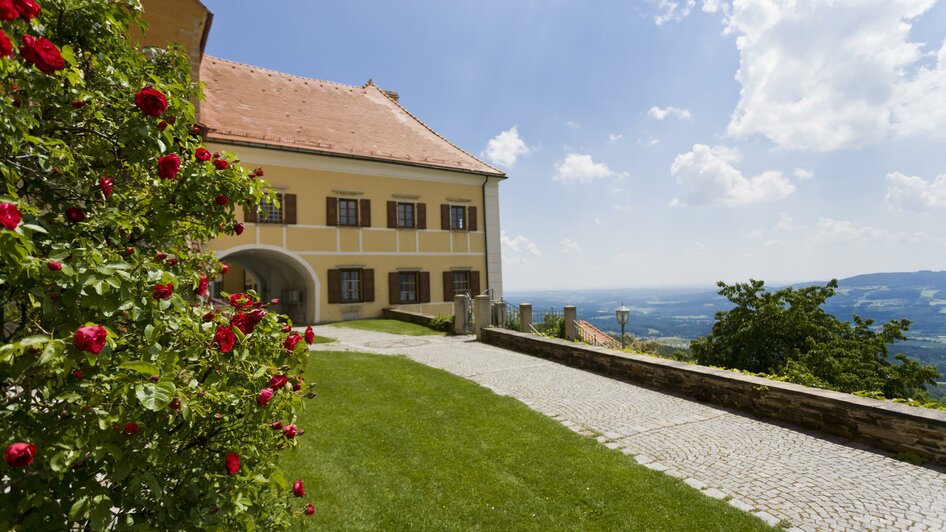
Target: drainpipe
x,y
486,238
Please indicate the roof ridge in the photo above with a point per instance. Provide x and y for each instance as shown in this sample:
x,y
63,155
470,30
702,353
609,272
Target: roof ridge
x,y
438,135
283,74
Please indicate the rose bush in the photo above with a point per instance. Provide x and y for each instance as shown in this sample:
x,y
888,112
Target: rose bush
x,y
126,401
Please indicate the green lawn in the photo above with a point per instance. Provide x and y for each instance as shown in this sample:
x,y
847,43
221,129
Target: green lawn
x,y
324,340
391,444
388,326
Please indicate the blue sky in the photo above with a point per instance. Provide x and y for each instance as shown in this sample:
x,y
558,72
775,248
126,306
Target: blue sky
x,y
663,142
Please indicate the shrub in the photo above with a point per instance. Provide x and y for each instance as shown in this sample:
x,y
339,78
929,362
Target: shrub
x,y
125,400
443,323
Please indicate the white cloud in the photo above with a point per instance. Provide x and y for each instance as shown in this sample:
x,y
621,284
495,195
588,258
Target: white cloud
x,y
580,168
831,231
822,76
650,141
785,223
755,234
506,147
915,193
673,10
573,125
614,137
570,247
712,6
706,176
519,243
661,113
801,173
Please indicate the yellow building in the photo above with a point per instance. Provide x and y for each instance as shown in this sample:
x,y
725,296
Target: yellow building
x,y
376,209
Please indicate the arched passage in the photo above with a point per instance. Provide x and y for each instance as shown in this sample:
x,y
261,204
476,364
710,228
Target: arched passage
x,y
280,274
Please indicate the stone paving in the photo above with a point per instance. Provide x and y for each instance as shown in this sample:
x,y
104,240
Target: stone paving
x,y
786,476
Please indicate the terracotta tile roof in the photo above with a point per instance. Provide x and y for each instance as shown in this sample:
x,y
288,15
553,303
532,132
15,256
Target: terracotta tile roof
x,y
248,104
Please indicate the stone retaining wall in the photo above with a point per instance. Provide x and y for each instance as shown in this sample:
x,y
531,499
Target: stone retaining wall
x,y
403,315
881,424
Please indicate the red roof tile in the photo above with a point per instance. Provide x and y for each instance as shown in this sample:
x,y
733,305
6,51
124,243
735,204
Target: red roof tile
x,y
248,104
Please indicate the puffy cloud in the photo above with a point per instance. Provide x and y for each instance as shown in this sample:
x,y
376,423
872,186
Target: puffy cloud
x,y
712,6
661,113
673,10
706,176
506,147
580,168
915,193
519,243
821,76
801,173
570,247
831,231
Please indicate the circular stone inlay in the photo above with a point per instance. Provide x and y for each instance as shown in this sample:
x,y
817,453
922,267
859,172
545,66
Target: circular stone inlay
x,y
394,344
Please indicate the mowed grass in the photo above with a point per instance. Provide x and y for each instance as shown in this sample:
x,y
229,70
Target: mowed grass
x,y
391,444
389,326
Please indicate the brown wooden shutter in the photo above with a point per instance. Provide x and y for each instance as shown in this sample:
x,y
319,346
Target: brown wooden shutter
x,y
392,215
448,286
445,217
289,208
471,215
474,284
422,216
365,214
331,211
334,286
394,288
423,289
367,286
249,213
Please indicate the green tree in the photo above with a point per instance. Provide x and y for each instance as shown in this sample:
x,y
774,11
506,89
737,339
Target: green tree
x,y
788,333
125,399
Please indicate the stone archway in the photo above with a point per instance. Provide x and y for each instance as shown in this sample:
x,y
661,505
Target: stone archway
x,y
280,274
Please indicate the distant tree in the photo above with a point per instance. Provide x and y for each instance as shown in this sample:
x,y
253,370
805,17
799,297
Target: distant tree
x,y
788,333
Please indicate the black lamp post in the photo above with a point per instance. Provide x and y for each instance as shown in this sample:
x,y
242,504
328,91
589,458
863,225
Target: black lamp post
x,y
622,313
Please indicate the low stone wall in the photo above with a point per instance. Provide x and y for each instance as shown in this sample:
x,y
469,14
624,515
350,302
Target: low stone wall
x,y
403,315
881,424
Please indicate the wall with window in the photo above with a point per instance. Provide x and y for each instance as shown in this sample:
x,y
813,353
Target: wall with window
x,y
371,230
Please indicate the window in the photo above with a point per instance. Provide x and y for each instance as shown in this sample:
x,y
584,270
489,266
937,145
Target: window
x,y
461,283
405,215
457,217
270,213
347,212
350,285
408,288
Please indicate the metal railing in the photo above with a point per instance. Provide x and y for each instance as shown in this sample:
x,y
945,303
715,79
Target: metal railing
x,y
549,322
505,315
595,336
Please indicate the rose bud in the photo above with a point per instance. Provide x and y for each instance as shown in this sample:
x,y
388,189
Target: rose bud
x,y
224,268
78,104
277,425
75,214
172,120
290,431
216,155
159,256
155,378
174,261
298,489
238,228
286,328
277,382
78,374
208,317
54,265
274,301
162,125
298,384
309,509
130,428
292,341
175,404
233,463
195,130
105,185
259,172
264,397
129,250
221,199
309,335
301,432
19,454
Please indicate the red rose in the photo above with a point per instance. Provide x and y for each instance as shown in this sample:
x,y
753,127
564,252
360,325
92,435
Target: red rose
x,y
7,11
201,154
90,338
105,185
259,172
162,125
168,165
159,256
277,425
175,404
224,339
233,463
309,509
9,216
174,261
78,374
286,328
6,47
172,120
290,431
19,454
28,9
224,268
292,341
258,314
265,396
201,289
277,382
54,265
240,300
298,384
208,317
216,155
75,215
274,301
130,428
309,335
298,489
238,228
151,101
78,104
129,250
221,164
163,291
221,199
42,53
245,322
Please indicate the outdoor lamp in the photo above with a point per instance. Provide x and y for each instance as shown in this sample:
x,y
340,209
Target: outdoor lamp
x,y
622,313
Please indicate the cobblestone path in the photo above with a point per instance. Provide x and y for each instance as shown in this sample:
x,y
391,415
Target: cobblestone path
x,y
779,473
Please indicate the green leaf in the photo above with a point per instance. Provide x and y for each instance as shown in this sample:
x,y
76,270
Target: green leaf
x,y
79,509
31,341
155,395
145,368
35,228
53,350
101,512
